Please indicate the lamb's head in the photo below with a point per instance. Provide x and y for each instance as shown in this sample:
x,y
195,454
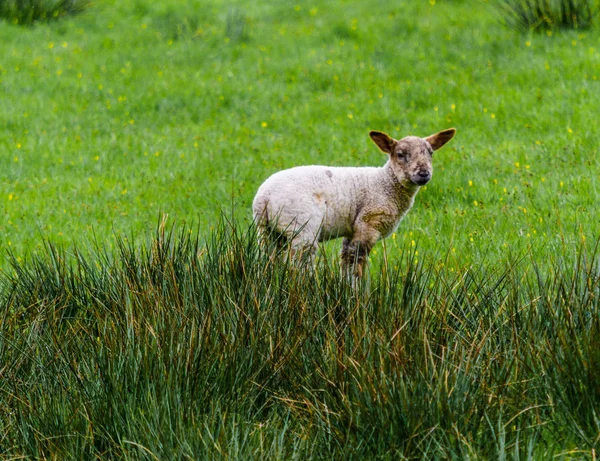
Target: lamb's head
x,y
410,157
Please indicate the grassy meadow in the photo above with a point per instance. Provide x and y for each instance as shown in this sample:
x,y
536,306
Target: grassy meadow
x,y
135,109
139,319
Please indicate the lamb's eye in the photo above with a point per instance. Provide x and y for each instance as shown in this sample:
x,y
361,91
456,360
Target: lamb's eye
x,y
403,155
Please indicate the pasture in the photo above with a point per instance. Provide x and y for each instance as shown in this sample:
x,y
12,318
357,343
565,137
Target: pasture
x,y
125,333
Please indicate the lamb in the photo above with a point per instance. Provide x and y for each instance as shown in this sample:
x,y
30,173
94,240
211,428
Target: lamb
x,y
310,204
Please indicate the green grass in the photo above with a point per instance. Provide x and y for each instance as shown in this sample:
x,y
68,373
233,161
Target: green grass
x,y
180,349
478,336
29,12
528,15
137,109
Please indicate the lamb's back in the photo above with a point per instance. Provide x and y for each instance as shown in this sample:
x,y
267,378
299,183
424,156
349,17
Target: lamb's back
x,y
329,195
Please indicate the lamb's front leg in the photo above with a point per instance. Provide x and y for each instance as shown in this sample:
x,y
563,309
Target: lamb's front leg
x,y
355,251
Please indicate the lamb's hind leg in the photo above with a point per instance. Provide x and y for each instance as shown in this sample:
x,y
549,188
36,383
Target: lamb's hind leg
x,y
303,245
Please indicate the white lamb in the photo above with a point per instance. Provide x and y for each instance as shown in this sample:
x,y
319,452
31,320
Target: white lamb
x,y
310,204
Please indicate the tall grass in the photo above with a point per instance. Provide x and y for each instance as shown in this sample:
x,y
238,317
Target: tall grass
x,y
219,349
525,15
27,12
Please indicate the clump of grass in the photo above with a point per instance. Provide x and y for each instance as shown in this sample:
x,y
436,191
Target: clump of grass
x,y
178,25
236,25
183,346
525,15
28,12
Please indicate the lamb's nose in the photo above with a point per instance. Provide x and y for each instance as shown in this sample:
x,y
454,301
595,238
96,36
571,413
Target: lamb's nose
x,y
424,174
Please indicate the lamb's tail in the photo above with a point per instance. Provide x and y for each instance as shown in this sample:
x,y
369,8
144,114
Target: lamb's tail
x,y
260,211
266,225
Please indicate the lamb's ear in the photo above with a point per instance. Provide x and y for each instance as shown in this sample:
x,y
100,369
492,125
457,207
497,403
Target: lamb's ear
x,y
383,141
438,140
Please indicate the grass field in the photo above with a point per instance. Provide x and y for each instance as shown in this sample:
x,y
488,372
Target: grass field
x,y
136,109
479,336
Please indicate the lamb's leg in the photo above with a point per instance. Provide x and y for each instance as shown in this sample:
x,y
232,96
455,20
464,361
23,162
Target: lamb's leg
x,y
355,251
354,256
303,245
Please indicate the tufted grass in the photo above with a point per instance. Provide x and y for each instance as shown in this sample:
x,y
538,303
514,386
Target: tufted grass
x,y
181,347
548,15
29,12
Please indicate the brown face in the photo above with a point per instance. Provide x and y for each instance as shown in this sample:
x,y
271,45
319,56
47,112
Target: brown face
x,y
411,158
